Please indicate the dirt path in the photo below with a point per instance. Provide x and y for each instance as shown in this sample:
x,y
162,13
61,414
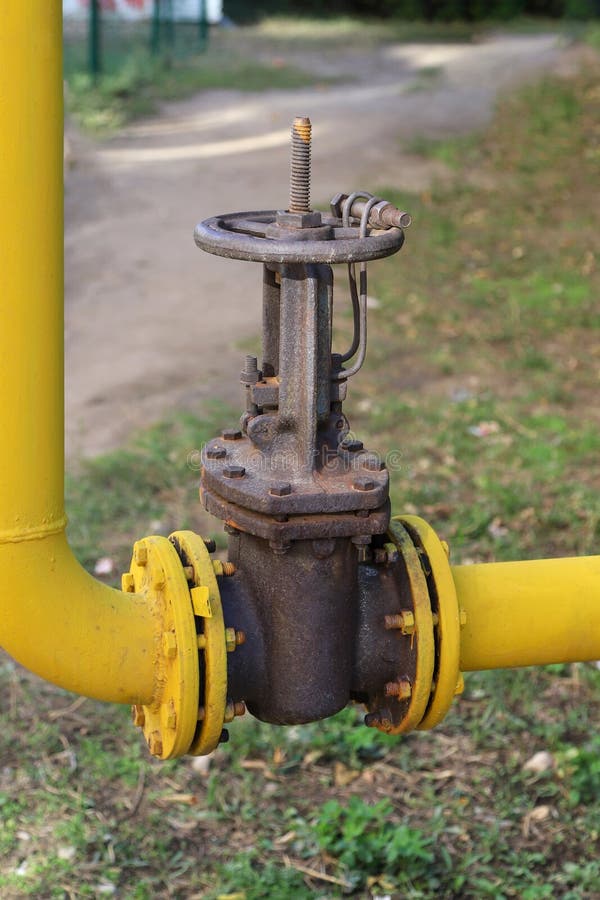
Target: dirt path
x,y
151,323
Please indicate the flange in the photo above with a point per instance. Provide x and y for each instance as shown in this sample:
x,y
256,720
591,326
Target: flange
x,y
157,574
210,640
447,680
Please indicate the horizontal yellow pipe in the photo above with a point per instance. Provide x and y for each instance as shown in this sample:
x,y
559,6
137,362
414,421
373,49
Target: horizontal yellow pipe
x,y
54,618
529,613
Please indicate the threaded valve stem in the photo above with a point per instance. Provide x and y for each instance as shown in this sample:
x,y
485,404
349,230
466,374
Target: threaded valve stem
x,y
300,168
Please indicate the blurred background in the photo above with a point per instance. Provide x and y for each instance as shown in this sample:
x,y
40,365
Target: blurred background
x,y
483,370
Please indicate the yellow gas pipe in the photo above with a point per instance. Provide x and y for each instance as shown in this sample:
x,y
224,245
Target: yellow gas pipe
x,y
57,620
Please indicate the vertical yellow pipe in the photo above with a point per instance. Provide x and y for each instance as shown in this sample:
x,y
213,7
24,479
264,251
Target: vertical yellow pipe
x,y
54,618
529,613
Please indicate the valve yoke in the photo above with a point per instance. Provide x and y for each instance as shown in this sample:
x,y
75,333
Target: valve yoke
x,y
293,470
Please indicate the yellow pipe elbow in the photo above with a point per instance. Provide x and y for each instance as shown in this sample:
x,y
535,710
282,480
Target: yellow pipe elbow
x,y
71,629
55,618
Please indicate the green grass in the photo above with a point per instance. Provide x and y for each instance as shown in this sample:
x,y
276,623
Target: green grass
x,y
134,82
482,380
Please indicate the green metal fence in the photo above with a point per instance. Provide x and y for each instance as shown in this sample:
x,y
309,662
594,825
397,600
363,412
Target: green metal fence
x,y
102,42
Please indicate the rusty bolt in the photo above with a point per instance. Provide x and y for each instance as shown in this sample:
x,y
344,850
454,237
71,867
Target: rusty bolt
x,y
404,621
281,490
364,484
234,471
216,452
234,709
138,716
229,714
239,708
140,553
240,637
224,737
155,744
228,568
231,434
401,689
170,644
372,720
250,374
210,544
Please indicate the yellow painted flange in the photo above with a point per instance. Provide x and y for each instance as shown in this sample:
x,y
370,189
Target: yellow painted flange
x,y
206,602
447,631
423,633
169,723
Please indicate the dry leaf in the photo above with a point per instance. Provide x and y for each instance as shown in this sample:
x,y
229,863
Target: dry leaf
x,y
538,814
343,776
542,761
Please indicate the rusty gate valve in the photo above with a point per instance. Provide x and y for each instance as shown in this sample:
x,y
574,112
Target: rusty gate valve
x,y
334,605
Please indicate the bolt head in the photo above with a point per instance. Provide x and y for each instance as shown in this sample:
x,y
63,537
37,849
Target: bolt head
x,y
138,716
155,744
231,434
210,544
364,484
215,452
234,471
281,490
170,644
140,553
127,583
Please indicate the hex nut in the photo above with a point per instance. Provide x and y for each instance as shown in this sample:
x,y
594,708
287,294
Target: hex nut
x,y
299,220
155,744
230,639
216,453
364,484
234,472
127,583
138,716
170,644
281,490
231,434
140,553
